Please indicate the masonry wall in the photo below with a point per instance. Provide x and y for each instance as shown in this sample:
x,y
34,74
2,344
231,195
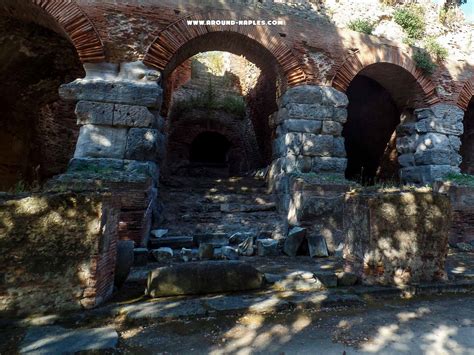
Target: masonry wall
x,y
58,251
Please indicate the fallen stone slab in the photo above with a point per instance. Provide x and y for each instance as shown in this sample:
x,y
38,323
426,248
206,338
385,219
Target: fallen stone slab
x,y
216,239
203,278
59,340
162,254
346,279
296,237
267,247
317,246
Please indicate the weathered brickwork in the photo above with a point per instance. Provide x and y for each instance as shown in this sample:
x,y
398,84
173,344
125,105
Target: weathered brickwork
x,y
58,251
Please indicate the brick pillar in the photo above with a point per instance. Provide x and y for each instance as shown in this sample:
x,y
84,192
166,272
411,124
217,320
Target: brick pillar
x,y
121,140
429,145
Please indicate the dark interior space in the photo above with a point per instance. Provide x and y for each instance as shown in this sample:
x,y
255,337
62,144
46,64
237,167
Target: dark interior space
x,y
372,119
38,131
467,140
210,148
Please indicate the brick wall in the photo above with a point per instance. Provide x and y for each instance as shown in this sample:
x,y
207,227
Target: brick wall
x,y
58,251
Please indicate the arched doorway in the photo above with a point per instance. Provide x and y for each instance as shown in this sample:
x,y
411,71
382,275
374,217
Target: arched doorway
x,y
381,96
38,130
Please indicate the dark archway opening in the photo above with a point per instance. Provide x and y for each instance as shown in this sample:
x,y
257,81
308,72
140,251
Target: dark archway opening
x,y
210,148
467,140
369,132
38,130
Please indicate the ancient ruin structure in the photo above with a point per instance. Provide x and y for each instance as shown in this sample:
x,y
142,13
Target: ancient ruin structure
x,y
329,108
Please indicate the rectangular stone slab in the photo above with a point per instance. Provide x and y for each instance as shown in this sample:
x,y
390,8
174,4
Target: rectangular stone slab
x,y
203,278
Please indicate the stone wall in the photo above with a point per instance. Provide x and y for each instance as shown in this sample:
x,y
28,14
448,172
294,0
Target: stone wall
x,y
58,251
429,146
462,202
315,203
397,237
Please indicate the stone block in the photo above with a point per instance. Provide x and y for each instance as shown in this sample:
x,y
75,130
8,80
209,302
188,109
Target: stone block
x,y
97,113
432,141
396,237
101,142
133,116
333,97
203,278
339,149
296,237
309,111
148,94
143,144
433,157
138,71
455,143
316,145
426,174
332,128
439,126
301,125
440,112
163,254
267,247
303,94
407,159
407,144
317,246
101,71
329,165
287,144
340,115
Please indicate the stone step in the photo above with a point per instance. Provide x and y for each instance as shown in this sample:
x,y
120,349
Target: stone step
x,y
207,197
174,242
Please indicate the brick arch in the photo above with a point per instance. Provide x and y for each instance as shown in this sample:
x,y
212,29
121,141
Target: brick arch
x,y
466,95
361,60
76,26
170,40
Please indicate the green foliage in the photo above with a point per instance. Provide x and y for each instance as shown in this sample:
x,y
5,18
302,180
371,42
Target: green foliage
x,y
461,179
411,19
232,104
437,51
424,62
447,16
362,25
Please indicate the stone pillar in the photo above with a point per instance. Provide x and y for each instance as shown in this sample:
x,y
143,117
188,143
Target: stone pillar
x,y
121,141
308,127
429,145
119,128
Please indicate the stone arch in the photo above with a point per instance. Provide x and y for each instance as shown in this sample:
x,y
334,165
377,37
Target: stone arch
x,y
466,95
173,38
64,17
359,61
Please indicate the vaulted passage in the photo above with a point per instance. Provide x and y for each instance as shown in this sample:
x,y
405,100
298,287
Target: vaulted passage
x,y
467,140
210,148
38,131
372,119
378,96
